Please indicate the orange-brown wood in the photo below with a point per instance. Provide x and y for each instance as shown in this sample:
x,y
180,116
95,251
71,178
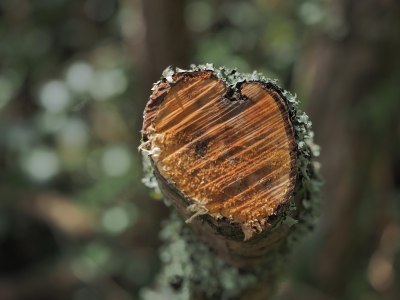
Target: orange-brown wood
x,y
234,156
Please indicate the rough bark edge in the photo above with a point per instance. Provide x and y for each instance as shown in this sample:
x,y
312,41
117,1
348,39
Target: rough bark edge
x,y
190,269
308,180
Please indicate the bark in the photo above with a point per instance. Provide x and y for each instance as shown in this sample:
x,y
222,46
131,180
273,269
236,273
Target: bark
x,y
234,155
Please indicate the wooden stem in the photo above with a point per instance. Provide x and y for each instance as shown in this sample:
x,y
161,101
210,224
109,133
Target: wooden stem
x,y
233,154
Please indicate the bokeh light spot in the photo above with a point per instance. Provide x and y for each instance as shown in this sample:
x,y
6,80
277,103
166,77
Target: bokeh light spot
x,y
79,77
311,13
108,84
116,161
54,96
41,164
115,220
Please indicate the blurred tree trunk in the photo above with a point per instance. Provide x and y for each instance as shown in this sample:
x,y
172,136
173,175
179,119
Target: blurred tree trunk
x,y
344,74
166,38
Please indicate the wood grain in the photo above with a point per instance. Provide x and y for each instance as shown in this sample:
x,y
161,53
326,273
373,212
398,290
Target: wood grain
x,y
231,152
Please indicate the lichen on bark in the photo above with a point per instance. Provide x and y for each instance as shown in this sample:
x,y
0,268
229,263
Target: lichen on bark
x,y
192,271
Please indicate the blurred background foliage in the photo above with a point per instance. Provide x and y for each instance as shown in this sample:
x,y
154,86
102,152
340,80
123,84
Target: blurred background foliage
x,y
75,219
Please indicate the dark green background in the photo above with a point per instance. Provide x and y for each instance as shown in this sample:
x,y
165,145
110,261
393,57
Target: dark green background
x,y
76,221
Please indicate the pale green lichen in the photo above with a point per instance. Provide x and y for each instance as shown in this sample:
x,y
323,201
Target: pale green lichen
x,y
190,268
148,178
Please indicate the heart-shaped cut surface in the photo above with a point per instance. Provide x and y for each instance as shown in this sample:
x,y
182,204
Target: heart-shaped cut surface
x,y
233,152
